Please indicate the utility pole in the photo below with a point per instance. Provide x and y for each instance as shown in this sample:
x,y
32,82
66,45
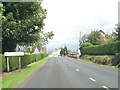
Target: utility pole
x,y
80,42
80,39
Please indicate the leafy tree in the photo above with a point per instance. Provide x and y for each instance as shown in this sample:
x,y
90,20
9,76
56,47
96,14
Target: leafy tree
x,y
20,22
1,11
116,34
94,37
98,37
43,40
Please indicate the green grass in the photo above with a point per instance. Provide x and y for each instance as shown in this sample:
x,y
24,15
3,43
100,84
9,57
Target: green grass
x,y
12,81
0,83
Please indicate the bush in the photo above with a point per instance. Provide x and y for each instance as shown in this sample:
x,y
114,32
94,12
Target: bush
x,y
3,63
104,60
106,49
116,60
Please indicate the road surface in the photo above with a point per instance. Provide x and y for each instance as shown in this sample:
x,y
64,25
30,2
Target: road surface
x,y
64,72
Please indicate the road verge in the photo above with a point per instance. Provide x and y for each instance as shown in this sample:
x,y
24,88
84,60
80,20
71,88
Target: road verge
x,y
13,80
106,60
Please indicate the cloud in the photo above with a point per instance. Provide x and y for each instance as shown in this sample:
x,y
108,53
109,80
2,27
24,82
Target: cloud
x,y
66,18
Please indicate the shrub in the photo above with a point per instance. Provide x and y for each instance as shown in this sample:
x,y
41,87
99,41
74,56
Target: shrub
x,y
104,60
3,63
116,60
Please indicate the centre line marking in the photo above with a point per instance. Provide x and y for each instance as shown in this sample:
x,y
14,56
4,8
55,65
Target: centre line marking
x,y
77,69
92,79
106,87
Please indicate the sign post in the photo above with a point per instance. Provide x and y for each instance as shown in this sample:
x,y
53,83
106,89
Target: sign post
x,y
19,62
10,54
8,64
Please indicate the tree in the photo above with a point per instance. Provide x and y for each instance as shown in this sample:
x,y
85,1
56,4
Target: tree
x,y
20,22
1,11
64,51
43,40
116,34
98,37
94,37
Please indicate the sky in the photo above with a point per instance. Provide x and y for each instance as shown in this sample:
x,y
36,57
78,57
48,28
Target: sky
x,y
66,18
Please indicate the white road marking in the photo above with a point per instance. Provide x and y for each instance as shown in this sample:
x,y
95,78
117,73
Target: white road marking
x,y
106,87
92,79
77,69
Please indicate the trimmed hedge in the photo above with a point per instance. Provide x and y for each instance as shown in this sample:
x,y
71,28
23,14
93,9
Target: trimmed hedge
x,y
14,63
25,60
2,63
4,66
106,49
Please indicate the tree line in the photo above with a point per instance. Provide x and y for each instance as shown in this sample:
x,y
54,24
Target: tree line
x,y
98,37
22,24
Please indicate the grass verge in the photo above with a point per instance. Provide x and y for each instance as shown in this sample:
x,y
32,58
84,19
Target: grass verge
x,y
98,59
12,81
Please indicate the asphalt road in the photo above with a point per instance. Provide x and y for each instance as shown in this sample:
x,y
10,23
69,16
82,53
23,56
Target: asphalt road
x,y
64,72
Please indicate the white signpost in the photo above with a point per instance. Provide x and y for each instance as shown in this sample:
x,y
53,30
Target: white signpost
x,y
10,54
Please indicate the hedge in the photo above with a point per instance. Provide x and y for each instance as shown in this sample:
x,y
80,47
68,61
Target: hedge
x,y
25,60
2,63
106,49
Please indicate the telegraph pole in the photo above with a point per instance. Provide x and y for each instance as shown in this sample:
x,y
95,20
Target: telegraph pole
x,y
80,39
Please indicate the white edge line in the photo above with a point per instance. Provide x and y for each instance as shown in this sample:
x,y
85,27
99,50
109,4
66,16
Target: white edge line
x,y
105,87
